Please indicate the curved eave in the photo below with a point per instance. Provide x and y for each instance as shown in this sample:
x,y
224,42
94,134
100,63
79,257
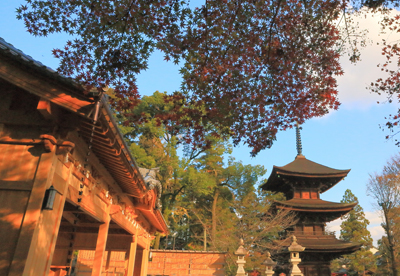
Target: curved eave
x,y
315,205
324,244
276,181
303,166
281,171
112,151
156,219
335,246
305,169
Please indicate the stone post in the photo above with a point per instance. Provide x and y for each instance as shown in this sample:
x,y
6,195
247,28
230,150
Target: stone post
x,y
269,265
241,252
295,250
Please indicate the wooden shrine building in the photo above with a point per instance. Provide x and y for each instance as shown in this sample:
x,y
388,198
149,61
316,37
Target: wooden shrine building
x,y
303,181
67,179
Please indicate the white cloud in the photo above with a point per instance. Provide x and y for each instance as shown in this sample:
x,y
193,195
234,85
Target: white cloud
x,y
373,217
352,85
374,226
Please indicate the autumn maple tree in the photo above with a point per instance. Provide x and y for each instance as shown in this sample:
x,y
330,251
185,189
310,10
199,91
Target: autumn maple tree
x,y
384,189
249,68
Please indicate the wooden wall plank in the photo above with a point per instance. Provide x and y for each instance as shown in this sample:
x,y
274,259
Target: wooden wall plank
x,y
28,236
13,204
18,164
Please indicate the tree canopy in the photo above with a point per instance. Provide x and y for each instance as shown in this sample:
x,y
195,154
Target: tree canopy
x,y
354,229
209,199
384,189
249,68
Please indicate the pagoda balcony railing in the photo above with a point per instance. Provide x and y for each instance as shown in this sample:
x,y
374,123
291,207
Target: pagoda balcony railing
x,y
315,234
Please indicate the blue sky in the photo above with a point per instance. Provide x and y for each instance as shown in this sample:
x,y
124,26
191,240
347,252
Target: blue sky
x,y
349,138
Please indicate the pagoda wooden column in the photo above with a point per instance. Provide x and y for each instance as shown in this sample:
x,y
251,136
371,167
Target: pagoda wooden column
x,y
28,239
132,254
101,247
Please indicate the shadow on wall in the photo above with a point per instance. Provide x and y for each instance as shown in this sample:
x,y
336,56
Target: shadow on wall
x,y
18,166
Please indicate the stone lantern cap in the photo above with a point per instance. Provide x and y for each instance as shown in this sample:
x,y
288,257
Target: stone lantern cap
x,y
268,261
295,247
241,251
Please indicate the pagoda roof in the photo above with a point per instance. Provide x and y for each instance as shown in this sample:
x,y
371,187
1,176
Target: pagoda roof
x,y
316,205
324,244
326,210
281,178
301,166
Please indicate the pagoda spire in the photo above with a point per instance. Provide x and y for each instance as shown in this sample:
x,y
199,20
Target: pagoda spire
x,y
298,141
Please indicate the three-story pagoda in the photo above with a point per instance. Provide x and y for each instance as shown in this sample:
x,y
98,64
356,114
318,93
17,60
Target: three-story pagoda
x,y
303,181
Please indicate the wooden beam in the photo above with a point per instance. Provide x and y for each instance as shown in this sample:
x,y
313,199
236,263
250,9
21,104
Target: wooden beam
x,y
100,247
45,109
18,117
70,217
90,225
16,185
64,228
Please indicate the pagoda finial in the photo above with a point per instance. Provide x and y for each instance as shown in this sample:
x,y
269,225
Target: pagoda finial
x,y
298,141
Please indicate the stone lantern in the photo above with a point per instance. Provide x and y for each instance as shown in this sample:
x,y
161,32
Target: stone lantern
x,y
269,263
241,252
295,250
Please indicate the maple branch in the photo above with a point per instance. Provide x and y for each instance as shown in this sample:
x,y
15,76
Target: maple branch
x,y
239,6
270,27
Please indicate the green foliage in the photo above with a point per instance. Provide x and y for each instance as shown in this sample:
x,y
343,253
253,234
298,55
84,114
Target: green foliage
x,y
204,190
383,258
354,226
354,229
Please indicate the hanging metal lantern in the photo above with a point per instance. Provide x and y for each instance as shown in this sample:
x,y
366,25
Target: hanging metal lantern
x,y
49,198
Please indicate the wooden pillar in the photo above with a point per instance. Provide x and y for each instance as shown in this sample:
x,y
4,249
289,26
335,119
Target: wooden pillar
x,y
145,259
101,247
132,254
108,261
41,256
28,236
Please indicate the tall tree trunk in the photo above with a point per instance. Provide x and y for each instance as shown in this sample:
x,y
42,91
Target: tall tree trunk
x,y
214,218
157,241
388,229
